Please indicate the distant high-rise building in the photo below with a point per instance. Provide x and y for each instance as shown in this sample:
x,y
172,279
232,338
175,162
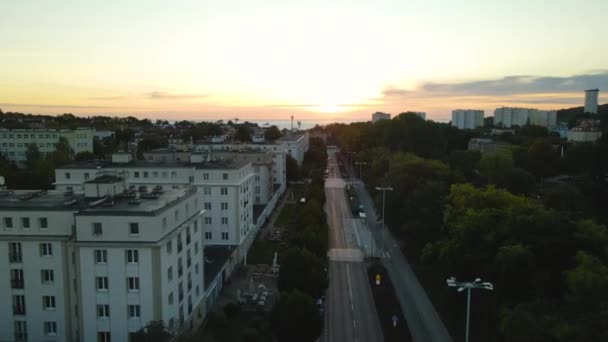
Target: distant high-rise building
x,y
377,116
591,100
509,116
467,118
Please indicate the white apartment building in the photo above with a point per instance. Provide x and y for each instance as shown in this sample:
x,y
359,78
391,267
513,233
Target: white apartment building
x,y
591,100
35,231
467,118
226,188
295,144
14,142
514,116
91,268
377,116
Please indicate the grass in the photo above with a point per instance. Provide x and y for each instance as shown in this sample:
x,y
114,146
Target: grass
x,y
285,215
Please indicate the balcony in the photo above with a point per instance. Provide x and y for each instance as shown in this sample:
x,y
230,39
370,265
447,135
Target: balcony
x,y
15,257
16,283
18,310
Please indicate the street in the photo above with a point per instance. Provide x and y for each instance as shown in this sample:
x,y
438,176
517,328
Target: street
x,y
422,319
350,309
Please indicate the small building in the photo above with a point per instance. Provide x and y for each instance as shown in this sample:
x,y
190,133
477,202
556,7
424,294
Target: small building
x,y
585,131
377,116
467,118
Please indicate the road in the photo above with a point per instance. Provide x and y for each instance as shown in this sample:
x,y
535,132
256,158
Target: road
x,y
422,319
350,310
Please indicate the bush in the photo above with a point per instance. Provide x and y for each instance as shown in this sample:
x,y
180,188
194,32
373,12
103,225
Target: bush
x,y
218,319
231,309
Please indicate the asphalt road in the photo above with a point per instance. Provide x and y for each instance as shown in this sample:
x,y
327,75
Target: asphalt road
x,y
350,312
422,319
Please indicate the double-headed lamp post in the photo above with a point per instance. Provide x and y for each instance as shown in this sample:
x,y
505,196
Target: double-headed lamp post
x,y
468,285
384,189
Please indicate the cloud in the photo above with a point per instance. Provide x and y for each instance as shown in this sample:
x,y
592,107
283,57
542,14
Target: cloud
x,y
392,91
160,95
108,98
60,106
521,84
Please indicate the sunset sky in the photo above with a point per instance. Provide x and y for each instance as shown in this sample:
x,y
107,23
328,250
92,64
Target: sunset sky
x,y
259,60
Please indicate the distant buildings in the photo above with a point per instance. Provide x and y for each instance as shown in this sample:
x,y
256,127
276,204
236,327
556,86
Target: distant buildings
x,y
513,116
422,115
486,145
591,96
585,131
377,116
467,118
14,142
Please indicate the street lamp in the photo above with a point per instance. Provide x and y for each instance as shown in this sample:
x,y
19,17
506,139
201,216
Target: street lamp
x,y
384,190
360,171
477,284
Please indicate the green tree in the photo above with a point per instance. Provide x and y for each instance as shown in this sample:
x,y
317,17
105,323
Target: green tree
x,y
32,154
542,158
63,152
519,182
302,270
154,331
296,318
589,280
496,166
272,133
292,168
243,133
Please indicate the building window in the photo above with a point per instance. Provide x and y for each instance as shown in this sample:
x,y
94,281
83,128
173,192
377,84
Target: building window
x,y
97,228
224,205
25,222
224,191
68,175
134,228
133,284
17,279
46,249
196,248
205,176
164,222
134,311
101,256
132,256
18,304
86,176
257,178
207,190
208,235
257,189
176,215
207,220
48,302
145,174
50,328
173,174
47,276
103,336
14,252
43,222
136,174
224,220
225,236
101,283
170,298
207,205
103,311
257,199
225,176
170,273
8,222
169,247
179,242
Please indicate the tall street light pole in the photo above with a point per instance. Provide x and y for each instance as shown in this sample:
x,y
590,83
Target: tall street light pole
x,y
360,170
384,190
468,285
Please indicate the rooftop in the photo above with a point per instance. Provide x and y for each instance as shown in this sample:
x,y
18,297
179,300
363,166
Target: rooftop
x,y
39,200
293,136
105,179
215,164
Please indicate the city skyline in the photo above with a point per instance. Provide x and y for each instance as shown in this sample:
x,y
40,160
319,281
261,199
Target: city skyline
x,y
313,60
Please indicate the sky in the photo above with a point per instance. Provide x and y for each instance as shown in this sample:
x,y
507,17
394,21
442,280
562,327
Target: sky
x,y
315,60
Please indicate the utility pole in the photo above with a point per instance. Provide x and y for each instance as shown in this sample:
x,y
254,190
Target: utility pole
x,y
477,284
384,190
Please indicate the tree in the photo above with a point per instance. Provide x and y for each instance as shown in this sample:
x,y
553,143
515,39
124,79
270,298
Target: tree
x,y
296,318
63,152
272,133
292,168
301,270
542,159
496,166
519,182
243,133
154,331
32,154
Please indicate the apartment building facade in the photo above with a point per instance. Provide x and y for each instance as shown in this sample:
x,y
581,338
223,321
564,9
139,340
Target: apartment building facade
x,y
514,116
467,118
15,142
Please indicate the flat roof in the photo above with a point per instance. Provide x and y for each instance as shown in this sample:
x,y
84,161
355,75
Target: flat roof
x,y
143,206
40,200
292,136
215,164
105,179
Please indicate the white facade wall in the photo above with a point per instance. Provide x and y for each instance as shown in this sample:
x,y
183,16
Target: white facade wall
x,y
510,116
545,118
380,116
32,264
591,100
14,143
467,118
583,136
